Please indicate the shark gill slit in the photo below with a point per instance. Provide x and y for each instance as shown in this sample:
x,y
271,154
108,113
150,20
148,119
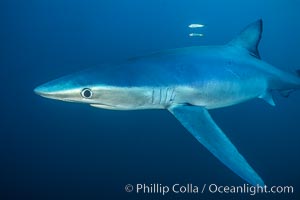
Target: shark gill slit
x,y
172,95
166,95
152,97
169,96
160,95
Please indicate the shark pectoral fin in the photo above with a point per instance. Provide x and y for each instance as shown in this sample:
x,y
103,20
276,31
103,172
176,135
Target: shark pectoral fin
x,y
268,98
198,122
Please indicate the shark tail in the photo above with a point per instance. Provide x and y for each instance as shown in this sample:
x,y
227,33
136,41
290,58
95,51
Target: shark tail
x,y
298,72
291,85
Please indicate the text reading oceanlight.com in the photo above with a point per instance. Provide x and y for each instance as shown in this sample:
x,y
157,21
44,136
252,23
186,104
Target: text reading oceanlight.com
x,y
157,188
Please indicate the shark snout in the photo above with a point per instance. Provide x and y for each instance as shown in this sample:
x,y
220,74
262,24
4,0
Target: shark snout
x,y
49,92
54,89
45,91
39,90
59,91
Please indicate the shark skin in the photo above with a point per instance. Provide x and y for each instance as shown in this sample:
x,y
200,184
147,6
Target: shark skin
x,y
187,82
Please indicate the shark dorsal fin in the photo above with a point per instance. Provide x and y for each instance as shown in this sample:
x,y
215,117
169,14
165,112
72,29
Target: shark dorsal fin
x,y
249,38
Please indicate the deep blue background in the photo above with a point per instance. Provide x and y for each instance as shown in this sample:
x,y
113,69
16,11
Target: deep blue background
x,y
58,150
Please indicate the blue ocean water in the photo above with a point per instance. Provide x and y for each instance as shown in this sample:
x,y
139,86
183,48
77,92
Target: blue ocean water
x,y
57,150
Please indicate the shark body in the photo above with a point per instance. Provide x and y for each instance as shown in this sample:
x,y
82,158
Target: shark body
x,y
187,82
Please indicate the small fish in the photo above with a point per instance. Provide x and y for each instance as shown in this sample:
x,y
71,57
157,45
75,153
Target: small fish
x,y
196,34
196,25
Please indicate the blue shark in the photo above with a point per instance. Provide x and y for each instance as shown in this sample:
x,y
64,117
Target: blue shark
x,y
187,82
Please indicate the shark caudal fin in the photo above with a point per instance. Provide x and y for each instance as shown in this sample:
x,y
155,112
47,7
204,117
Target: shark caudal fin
x,y
298,72
293,85
249,38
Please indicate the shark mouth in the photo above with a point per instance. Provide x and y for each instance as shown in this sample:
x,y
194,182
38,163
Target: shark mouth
x,y
104,106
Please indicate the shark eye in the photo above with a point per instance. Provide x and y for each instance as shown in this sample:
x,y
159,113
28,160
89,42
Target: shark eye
x,y
86,93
